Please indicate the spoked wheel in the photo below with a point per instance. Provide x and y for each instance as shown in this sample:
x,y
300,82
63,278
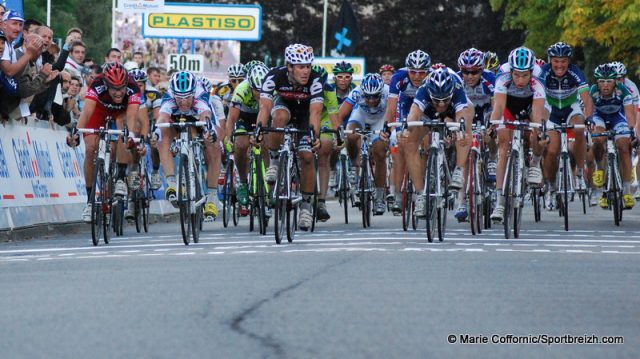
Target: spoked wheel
x,y
236,213
517,204
281,201
183,201
471,193
293,207
537,203
365,195
565,191
508,194
117,215
98,204
261,191
197,215
137,210
228,194
431,201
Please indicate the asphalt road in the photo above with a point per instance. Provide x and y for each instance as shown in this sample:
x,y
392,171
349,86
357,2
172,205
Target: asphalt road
x,y
341,292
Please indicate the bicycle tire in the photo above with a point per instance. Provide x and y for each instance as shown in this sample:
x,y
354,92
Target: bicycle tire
x,y
363,192
508,197
117,215
97,202
137,210
227,193
262,191
292,208
281,203
471,192
344,187
431,201
565,180
314,199
197,217
535,200
517,209
406,211
614,193
183,200
447,199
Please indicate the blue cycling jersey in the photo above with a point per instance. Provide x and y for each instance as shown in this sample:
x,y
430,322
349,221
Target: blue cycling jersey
x,y
481,94
423,100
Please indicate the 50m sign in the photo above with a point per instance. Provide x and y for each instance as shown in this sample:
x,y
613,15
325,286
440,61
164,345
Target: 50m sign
x,y
186,62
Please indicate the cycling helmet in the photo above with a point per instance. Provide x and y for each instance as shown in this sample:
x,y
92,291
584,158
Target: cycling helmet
x,y
605,71
372,84
522,59
115,74
321,70
385,68
491,61
440,84
418,60
138,75
251,64
619,67
257,75
560,49
183,84
342,67
206,83
298,54
471,59
236,70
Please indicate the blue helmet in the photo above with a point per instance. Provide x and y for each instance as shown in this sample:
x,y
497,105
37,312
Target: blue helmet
x,y
560,49
522,59
138,75
372,84
418,60
183,84
440,83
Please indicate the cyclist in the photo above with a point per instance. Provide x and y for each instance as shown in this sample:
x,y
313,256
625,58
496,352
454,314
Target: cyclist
x,y
614,109
517,91
478,85
251,64
386,71
367,106
187,97
298,101
236,74
564,82
442,97
243,113
329,120
342,86
491,61
113,93
404,85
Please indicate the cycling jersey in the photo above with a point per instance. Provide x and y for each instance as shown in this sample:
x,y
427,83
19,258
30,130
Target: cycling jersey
x,y
331,107
99,93
243,100
341,99
458,102
357,100
633,90
518,99
609,111
481,94
563,91
199,106
151,98
293,98
506,68
402,89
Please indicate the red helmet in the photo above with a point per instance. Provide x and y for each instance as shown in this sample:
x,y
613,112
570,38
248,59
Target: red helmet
x,y
385,68
115,75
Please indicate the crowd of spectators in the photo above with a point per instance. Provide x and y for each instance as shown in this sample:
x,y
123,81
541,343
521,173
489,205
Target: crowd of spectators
x,y
40,81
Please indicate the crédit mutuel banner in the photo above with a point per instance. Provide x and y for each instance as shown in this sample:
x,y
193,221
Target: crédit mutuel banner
x,y
204,21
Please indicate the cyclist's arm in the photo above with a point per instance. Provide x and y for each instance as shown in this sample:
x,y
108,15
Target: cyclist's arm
x,y
87,112
345,110
266,104
232,117
143,120
499,103
415,113
588,103
390,114
537,110
630,115
205,116
132,118
315,113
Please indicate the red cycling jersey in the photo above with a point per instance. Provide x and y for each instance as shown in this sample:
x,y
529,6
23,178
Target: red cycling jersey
x,y
99,93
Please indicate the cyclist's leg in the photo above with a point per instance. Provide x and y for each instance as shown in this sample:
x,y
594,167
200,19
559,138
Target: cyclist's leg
x,y
324,159
550,165
504,145
623,145
280,116
580,144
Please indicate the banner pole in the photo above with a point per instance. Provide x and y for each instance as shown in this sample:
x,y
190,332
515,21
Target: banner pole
x,y
324,28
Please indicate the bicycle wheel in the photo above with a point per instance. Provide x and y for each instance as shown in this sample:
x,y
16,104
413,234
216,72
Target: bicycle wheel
x,y
262,191
97,203
137,209
183,200
517,200
292,206
447,203
412,206
614,194
364,193
508,195
281,199
314,199
471,192
431,200
537,204
236,213
344,188
406,203
565,190
197,216
146,202
227,193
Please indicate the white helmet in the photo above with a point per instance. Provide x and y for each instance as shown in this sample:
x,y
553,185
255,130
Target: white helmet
x,y
236,70
298,54
372,84
257,75
418,60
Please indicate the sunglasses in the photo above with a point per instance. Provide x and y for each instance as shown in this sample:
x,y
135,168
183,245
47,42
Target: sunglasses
x,y
372,97
441,100
118,89
236,81
417,72
343,77
466,72
606,81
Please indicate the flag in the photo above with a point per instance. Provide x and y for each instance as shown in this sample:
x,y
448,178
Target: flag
x,y
346,35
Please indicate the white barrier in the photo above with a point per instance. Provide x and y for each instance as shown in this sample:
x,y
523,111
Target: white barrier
x,y
41,179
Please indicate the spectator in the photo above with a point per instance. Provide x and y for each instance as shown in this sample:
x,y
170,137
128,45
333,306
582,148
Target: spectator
x,y
3,10
153,73
71,102
34,78
30,27
113,55
54,50
75,34
59,111
77,51
138,57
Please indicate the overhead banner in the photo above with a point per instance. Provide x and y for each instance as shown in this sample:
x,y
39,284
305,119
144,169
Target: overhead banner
x,y
357,63
205,21
140,5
